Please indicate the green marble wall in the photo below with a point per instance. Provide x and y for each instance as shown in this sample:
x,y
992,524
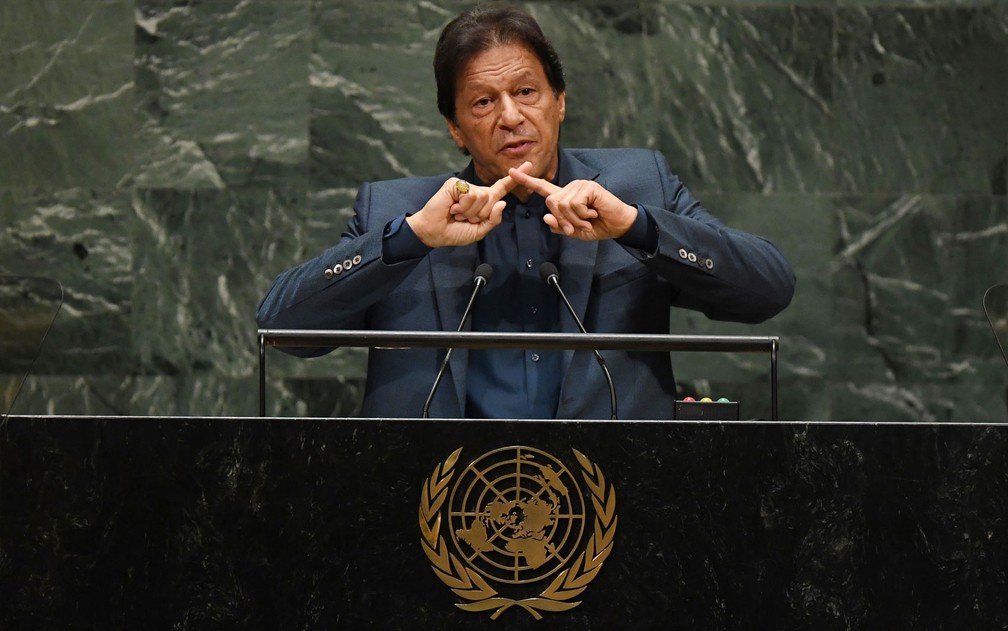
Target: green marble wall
x,y
165,160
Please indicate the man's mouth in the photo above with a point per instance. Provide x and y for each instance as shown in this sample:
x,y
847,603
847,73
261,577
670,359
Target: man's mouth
x,y
517,148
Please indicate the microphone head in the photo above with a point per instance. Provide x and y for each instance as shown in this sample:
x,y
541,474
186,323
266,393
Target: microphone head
x,y
484,271
548,270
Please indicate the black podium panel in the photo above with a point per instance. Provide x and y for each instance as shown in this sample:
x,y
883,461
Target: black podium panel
x,y
196,523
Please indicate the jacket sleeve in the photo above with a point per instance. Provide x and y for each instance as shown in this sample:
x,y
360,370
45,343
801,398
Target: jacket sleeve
x,y
335,289
725,273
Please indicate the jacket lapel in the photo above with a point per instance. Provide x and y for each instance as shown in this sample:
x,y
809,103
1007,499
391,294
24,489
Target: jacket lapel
x,y
451,272
577,258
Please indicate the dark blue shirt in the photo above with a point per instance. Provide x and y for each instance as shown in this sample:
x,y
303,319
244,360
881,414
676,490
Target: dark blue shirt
x,y
516,383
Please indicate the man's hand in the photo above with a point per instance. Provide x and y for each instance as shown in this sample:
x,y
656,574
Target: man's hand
x,y
583,209
451,217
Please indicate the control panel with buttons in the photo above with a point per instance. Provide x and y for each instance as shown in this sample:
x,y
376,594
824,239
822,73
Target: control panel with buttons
x,y
706,409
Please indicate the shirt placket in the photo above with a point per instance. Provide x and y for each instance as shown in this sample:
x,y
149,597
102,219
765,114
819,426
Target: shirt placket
x,y
530,257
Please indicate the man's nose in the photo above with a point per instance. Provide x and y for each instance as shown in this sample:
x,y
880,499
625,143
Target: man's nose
x,y
511,114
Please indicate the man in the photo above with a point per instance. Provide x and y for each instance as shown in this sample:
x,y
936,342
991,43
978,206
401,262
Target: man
x,y
629,241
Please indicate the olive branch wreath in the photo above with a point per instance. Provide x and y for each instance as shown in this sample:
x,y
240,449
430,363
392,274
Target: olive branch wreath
x,y
469,585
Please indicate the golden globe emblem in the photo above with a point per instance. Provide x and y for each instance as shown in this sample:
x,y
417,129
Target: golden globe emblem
x,y
517,514
515,517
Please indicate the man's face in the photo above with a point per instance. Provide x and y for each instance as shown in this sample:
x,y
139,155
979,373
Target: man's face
x,y
506,113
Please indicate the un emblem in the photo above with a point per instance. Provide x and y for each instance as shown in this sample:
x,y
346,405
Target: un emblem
x,y
516,517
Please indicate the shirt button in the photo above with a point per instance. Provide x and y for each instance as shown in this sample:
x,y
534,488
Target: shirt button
x,y
528,213
534,310
535,357
528,263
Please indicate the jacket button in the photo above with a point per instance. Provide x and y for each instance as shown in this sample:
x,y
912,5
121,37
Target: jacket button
x,y
338,269
347,264
691,257
710,264
682,253
328,273
356,259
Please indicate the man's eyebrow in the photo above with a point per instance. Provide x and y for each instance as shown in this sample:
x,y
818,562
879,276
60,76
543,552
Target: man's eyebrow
x,y
526,74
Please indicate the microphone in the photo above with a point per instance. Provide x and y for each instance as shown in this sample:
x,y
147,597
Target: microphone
x,y
548,272
480,278
995,304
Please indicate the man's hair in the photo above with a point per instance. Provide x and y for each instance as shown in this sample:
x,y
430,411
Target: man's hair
x,y
478,29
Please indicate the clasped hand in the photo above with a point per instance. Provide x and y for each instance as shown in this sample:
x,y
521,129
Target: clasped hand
x,y
452,217
582,210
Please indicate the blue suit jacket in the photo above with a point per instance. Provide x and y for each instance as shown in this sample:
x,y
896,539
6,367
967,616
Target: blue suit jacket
x,y
700,264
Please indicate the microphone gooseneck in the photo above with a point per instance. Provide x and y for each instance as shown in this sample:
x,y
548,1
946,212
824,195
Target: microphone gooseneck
x,y
480,278
549,274
995,305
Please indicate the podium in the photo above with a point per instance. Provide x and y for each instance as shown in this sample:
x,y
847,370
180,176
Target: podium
x,y
162,522
288,338
310,523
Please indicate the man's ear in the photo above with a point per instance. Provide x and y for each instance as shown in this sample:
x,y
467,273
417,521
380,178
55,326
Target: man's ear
x,y
455,134
562,104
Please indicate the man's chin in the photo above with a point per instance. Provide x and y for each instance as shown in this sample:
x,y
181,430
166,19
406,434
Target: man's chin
x,y
502,167
538,166
489,176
